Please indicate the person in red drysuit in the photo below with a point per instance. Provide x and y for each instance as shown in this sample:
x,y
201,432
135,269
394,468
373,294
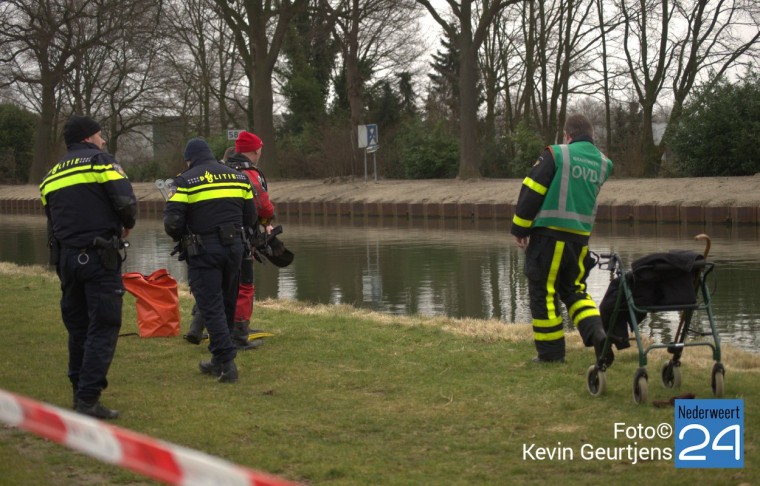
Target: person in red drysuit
x,y
248,149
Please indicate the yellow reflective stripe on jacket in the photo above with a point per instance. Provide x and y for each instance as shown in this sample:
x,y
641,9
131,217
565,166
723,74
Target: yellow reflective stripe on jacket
x,y
85,174
539,188
524,223
211,191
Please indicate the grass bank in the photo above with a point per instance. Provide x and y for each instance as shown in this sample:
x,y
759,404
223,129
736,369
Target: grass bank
x,y
345,396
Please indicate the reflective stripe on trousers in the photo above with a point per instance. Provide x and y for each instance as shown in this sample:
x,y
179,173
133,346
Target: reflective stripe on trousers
x,y
557,271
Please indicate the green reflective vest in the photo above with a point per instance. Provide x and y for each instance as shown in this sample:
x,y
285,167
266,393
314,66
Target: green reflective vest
x,y
570,202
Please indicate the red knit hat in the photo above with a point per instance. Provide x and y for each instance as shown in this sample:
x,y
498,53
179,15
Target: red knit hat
x,y
247,142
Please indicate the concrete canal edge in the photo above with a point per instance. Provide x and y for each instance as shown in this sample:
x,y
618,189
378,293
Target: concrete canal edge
x,y
707,201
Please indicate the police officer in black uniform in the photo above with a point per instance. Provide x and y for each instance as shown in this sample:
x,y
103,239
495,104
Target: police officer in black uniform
x,y
208,214
90,207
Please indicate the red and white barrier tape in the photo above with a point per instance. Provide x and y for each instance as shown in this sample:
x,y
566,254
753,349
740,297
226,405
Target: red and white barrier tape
x,y
156,459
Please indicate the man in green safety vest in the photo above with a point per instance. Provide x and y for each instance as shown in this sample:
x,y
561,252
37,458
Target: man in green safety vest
x,y
552,223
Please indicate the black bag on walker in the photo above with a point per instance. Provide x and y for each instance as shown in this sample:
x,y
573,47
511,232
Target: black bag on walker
x,y
658,279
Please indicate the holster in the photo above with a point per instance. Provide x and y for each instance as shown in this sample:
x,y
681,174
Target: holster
x,y
191,245
108,250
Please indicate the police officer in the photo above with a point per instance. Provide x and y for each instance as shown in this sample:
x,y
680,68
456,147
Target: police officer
x,y
244,158
90,206
553,220
209,213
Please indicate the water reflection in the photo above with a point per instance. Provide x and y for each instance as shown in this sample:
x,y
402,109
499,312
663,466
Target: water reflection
x,y
442,267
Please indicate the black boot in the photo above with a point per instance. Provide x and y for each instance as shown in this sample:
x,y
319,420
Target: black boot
x,y
609,356
239,335
599,338
96,409
225,372
210,367
195,333
592,333
229,373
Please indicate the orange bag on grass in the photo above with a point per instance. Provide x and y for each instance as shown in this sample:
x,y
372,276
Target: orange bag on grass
x,y
157,302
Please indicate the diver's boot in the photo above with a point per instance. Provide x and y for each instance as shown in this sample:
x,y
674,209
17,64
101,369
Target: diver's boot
x,y
239,335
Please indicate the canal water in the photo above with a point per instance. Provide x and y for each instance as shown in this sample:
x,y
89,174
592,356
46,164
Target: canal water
x,y
457,268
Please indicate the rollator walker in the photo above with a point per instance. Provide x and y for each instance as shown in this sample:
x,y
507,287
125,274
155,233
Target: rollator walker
x,y
661,282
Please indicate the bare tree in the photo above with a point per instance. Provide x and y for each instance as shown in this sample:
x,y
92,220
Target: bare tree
x,y
121,84
492,77
470,31
41,42
605,73
563,36
713,42
206,60
515,64
688,41
259,28
376,39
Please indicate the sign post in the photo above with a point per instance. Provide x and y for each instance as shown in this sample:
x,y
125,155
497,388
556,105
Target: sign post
x,y
232,134
369,141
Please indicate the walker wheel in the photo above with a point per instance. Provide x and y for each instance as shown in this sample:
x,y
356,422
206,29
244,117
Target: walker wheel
x,y
640,390
718,377
596,381
671,375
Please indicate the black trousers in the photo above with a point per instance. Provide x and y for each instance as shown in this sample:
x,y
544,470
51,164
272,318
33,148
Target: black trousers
x,y
91,311
214,275
557,271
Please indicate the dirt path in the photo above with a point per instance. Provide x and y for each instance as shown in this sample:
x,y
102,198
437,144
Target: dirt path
x,y
709,191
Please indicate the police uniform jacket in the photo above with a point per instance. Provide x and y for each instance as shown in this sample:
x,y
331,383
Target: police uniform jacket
x,y
209,195
87,195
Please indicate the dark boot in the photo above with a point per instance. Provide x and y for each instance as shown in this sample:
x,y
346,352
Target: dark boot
x,y
239,335
598,339
229,373
96,409
592,333
225,372
195,333
609,356
210,367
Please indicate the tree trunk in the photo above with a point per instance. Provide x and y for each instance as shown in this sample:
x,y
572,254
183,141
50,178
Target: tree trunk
x,y
469,156
468,126
263,120
649,151
43,137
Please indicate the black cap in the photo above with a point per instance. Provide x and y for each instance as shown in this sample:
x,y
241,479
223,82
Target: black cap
x,y
197,149
77,128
